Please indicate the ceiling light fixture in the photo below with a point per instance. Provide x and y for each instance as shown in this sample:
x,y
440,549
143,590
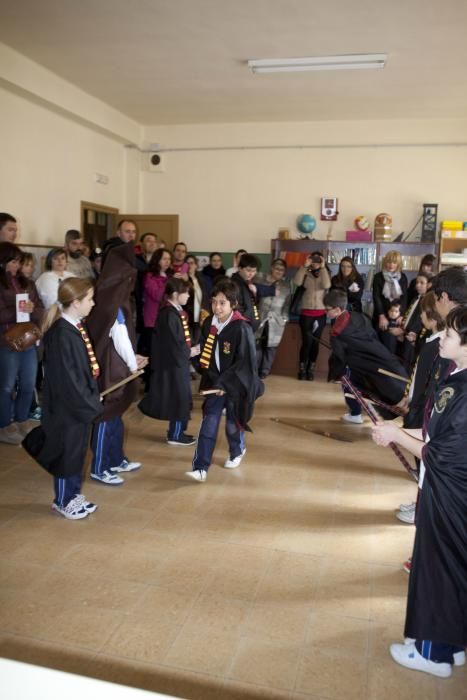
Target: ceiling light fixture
x,y
355,61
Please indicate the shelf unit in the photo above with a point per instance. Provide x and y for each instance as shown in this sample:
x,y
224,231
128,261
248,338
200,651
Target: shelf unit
x,y
366,255
454,243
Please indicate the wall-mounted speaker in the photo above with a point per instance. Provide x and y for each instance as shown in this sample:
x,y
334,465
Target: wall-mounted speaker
x,y
156,162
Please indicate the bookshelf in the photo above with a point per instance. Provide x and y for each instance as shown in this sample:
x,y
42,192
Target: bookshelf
x,y
367,256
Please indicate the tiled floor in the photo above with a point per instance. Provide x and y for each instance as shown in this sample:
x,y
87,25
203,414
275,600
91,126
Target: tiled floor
x,y
281,579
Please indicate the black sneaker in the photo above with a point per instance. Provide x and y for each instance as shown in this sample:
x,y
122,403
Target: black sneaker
x,y
184,440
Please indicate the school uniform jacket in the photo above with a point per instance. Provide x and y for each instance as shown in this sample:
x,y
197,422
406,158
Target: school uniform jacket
x,y
437,599
169,396
70,403
355,345
238,374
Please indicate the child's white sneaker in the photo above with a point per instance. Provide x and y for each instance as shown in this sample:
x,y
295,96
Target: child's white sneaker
x,y
197,474
232,463
74,510
348,418
408,656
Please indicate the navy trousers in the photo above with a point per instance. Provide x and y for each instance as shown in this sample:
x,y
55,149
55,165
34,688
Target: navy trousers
x,y
176,429
66,489
212,413
107,445
436,651
352,404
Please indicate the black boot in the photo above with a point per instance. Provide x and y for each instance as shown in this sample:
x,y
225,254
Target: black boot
x,y
301,371
309,372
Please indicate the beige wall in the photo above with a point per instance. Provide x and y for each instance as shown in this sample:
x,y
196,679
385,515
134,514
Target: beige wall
x,y
49,165
240,196
232,184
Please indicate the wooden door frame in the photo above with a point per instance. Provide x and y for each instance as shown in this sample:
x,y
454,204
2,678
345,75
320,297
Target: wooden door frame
x,y
100,208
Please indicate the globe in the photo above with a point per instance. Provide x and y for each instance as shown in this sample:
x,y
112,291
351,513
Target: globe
x,y
306,223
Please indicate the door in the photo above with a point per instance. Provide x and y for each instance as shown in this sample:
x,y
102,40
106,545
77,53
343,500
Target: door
x,y
165,226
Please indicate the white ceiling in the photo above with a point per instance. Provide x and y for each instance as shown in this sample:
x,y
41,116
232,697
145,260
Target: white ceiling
x,y
184,61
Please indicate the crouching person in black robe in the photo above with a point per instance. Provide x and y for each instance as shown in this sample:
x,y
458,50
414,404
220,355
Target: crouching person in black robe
x,y
358,354
169,396
229,376
71,400
436,621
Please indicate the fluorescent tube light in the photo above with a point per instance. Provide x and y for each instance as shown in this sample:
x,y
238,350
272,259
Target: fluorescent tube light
x,y
358,61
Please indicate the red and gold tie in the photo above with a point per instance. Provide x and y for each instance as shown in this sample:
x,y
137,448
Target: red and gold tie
x,y
206,355
95,369
186,330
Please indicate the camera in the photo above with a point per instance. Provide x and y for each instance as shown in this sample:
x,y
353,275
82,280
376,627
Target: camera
x,y
316,259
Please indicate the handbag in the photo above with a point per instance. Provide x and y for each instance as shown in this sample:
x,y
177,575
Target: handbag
x,y
22,336
296,303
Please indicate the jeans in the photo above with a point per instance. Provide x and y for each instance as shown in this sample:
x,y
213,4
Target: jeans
x,y
311,328
212,414
17,371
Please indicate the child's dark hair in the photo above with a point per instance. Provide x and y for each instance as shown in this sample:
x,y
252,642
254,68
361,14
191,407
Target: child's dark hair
x,y
212,255
52,254
457,320
428,305
452,282
175,285
249,260
336,298
228,288
394,305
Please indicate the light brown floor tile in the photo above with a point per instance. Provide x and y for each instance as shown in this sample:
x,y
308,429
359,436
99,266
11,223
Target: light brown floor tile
x,y
336,633
145,640
386,680
265,663
283,622
332,675
71,659
291,576
218,613
203,648
165,605
232,690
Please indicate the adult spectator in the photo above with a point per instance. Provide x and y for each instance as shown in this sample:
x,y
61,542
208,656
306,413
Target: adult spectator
x,y
389,286
198,306
148,244
314,277
179,264
8,228
236,259
17,369
55,272
274,314
350,280
126,233
213,270
78,264
154,286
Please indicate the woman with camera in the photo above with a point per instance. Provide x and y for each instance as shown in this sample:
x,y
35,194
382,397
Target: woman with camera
x,y
315,280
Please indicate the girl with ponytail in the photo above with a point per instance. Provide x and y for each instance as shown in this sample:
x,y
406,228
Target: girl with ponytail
x,y
71,399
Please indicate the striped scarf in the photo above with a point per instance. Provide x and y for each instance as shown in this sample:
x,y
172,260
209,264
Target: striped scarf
x,y
95,369
186,330
206,355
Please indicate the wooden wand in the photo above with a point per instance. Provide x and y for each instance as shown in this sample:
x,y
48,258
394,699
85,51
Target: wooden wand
x,y
138,373
374,417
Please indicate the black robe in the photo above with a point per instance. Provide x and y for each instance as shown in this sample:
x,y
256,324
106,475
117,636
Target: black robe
x,y
437,600
355,345
169,396
70,403
238,375
247,301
